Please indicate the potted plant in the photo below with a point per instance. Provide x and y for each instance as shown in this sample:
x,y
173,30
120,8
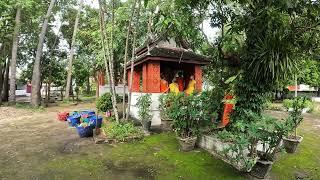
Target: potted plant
x,y
185,113
164,103
270,133
144,104
291,141
104,104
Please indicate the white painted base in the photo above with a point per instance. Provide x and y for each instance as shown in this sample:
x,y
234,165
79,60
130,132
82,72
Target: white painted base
x,y
106,88
156,120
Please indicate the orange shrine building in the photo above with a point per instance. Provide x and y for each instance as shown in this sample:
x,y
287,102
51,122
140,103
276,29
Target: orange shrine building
x,y
162,59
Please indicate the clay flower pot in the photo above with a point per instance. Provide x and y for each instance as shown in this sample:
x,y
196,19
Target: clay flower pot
x,y
291,143
261,169
146,125
187,144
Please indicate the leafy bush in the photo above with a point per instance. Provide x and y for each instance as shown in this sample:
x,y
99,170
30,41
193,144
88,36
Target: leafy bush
x,y
211,104
120,98
185,113
287,103
144,103
121,131
305,101
104,103
165,101
295,116
246,134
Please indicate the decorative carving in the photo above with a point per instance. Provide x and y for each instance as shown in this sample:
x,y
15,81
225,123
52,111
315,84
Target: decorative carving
x,y
198,77
153,77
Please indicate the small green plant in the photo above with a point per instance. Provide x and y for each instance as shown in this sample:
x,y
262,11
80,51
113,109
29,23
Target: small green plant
x,y
121,131
295,116
144,103
165,101
271,131
104,103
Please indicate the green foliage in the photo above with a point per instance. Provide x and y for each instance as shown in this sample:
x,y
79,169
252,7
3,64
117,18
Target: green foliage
x,y
144,104
295,115
104,103
121,131
300,101
186,113
236,151
210,104
309,72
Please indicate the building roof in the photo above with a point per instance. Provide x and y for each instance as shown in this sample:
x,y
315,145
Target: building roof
x,y
163,51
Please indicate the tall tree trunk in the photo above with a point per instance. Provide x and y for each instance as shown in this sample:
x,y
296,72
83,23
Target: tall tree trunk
x,y
13,63
2,71
75,30
97,84
88,88
106,53
5,94
124,80
132,60
36,75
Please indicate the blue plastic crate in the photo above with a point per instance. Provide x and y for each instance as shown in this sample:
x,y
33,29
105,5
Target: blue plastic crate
x,y
74,120
93,120
84,131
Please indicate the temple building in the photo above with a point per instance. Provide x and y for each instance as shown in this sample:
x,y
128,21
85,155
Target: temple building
x,y
162,59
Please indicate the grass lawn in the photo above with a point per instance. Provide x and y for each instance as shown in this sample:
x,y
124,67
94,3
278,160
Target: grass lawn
x,y
306,162
156,157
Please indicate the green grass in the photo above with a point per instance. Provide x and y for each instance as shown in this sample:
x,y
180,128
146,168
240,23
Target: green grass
x,y
306,160
155,157
30,107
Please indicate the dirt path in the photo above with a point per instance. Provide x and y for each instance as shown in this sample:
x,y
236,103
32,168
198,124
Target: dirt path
x,y
29,139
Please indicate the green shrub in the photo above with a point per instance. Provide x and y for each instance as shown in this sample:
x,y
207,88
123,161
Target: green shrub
x,y
104,103
306,102
295,116
144,103
185,113
287,103
165,101
121,131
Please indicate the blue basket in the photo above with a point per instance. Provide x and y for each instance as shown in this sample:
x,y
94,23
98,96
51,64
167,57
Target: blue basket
x,y
93,121
74,120
87,112
85,131
74,113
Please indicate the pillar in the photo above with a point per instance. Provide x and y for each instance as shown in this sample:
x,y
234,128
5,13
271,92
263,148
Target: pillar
x,y
144,78
151,75
101,78
198,77
135,80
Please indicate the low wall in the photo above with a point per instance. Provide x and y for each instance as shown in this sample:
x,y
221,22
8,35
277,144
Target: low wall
x,y
106,89
154,107
215,147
